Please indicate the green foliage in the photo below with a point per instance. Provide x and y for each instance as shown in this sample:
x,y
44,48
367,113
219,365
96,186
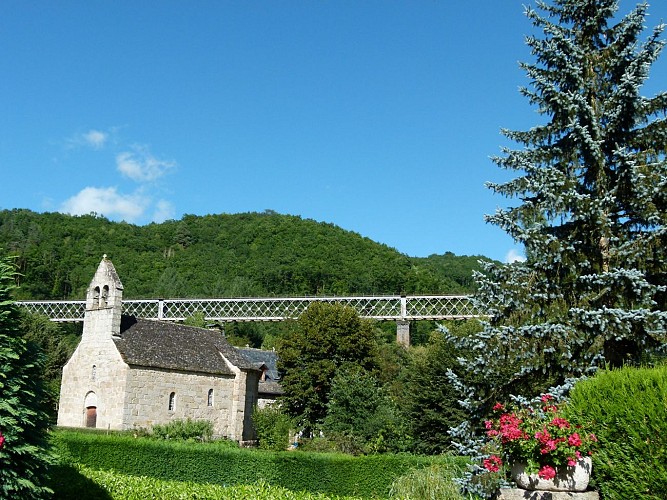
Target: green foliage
x,y
273,427
628,412
431,401
23,421
240,255
367,476
591,209
428,483
184,430
57,342
326,338
83,483
361,417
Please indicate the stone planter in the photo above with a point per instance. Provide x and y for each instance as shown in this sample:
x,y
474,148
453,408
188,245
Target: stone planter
x,y
567,479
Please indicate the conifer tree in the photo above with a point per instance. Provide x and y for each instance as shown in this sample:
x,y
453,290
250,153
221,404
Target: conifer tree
x,y
23,455
592,194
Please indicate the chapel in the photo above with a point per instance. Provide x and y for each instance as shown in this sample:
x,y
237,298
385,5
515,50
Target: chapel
x,y
129,372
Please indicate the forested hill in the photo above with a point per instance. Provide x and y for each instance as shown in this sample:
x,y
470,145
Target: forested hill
x,y
239,255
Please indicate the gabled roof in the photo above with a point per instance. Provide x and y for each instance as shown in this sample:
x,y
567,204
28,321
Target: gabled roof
x,y
162,344
261,357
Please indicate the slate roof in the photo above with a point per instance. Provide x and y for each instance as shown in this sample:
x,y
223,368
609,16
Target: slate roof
x,y
259,358
162,344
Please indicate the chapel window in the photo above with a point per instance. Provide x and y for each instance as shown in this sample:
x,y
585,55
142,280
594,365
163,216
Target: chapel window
x,y
96,297
172,401
210,397
93,373
105,296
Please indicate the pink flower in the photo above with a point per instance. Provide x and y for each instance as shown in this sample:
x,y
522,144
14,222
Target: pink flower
x,y
574,440
2,440
548,447
493,463
546,398
543,436
488,424
571,462
547,472
561,423
498,407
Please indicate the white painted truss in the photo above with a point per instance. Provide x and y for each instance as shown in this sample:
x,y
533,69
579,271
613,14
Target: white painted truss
x,y
391,308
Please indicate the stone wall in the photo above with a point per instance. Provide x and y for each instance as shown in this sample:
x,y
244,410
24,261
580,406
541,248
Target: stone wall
x,y
148,391
96,370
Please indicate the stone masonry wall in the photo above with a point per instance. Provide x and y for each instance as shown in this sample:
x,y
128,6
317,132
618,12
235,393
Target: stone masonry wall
x,y
147,399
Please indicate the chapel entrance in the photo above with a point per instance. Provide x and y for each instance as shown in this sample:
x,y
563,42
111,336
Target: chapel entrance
x,y
91,416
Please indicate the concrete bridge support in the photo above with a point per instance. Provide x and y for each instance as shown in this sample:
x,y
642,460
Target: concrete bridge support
x,y
403,333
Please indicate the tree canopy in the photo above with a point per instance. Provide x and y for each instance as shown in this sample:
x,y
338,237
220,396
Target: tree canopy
x,y
225,255
592,190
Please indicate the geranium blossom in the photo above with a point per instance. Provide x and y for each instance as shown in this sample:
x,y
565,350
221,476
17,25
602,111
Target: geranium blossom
x,y
537,436
2,440
493,463
547,472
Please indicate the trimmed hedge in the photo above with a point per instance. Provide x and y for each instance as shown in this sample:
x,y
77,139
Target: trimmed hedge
x,y
81,483
628,412
331,474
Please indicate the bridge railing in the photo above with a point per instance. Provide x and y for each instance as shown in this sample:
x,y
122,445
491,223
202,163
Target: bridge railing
x,y
396,308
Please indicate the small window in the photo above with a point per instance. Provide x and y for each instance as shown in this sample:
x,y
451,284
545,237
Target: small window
x,y
105,296
93,373
210,397
172,401
96,297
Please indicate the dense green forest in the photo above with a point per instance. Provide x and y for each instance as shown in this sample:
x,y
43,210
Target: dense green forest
x,y
225,255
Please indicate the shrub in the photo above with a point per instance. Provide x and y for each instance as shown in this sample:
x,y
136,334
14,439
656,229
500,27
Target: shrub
x,y
23,421
629,416
272,426
185,430
435,481
330,474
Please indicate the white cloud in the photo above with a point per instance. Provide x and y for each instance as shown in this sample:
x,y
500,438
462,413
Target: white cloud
x,y
141,166
514,256
164,210
107,202
94,139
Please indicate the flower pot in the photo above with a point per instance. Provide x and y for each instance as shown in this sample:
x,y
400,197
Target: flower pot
x,y
574,478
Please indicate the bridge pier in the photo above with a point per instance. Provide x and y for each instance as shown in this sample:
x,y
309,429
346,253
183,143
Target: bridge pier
x,y
403,333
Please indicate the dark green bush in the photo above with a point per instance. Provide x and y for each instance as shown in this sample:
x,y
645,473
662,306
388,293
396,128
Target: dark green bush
x,y
330,474
273,427
628,412
185,430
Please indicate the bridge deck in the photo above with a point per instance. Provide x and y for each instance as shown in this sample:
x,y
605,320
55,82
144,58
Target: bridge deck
x,y
392,308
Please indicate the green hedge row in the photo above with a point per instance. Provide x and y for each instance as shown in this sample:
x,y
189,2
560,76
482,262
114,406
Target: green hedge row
x,y
628,412
331,474
82,483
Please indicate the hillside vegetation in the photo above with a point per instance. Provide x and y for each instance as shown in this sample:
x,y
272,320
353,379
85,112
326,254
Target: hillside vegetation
x,y
225,255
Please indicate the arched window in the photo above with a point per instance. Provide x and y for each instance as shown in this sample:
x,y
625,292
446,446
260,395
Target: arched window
x,y
105,296
93,373
172,401
210,397
96,297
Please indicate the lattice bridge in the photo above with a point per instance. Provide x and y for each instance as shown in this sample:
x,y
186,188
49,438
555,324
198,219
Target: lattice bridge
x,y
390,308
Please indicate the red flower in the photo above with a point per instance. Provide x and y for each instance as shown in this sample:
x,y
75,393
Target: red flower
x,y
561,423
2,440
574,440
547,472
498,407
546,398
493,463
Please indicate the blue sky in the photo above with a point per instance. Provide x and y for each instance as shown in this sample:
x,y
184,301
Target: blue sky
x,y
377,116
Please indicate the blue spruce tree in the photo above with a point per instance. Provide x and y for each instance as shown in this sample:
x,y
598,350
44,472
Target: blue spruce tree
x,y
591,192
591,187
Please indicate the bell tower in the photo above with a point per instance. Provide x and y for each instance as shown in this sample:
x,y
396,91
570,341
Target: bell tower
x,y
103,303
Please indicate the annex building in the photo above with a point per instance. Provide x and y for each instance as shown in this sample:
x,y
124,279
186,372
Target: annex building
x,y
130,373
